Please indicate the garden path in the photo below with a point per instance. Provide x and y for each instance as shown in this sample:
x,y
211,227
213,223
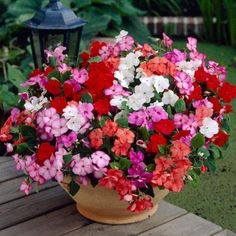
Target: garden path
x,y
51,212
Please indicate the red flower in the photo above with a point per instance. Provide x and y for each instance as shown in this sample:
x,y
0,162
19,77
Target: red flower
x,y
140,205
53,87
111,179
201,75
102,106
165,126
228,108
44,152
203,169
85,57
48,70
213,83
181,134
59,103
68,90
100,78
196,93
35,73
155,140
220,139
227,92
95,47
216,104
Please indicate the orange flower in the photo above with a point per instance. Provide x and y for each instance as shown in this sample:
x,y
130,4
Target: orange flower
x,y
125,135
96,138
179,149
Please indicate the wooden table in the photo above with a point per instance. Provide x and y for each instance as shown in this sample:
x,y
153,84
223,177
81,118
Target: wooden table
x,y
51,212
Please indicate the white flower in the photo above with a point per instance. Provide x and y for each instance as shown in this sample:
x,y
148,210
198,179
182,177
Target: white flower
x,y
139,72
122,34
131,60
136,101
160,83
124,78
70,111
117,101
144,91
209,127
76,123
147,80
189,67
157,103
35,104
170,97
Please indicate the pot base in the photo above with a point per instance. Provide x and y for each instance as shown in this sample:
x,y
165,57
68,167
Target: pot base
x,y
117,220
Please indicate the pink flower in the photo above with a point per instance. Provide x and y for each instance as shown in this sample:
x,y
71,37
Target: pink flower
x,y
9,147
167,41
116,90
59,127
47,171
83,166
20,164
179,150
126,43
80,76
191,124
180,119
202,112
175,56
100,158
15,112
98,173
192,44
86,109
25,187
184,83
105,52
57,54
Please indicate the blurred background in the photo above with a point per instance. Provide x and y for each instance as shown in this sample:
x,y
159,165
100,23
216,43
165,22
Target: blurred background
x,y
212,22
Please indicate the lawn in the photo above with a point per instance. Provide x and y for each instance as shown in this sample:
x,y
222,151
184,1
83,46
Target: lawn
x,y
215,198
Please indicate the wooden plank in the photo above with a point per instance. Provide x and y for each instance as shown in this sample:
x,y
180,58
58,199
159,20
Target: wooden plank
x,y
10,189
4,159
225,232
54,223
186,225
8,171
34,205
166,213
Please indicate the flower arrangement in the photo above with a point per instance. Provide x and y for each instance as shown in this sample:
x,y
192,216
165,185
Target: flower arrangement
x,y
129,118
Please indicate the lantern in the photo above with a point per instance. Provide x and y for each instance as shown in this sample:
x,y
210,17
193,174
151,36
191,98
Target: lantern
x,y
53,25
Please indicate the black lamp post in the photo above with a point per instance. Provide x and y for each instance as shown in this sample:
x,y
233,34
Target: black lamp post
x,y
52,25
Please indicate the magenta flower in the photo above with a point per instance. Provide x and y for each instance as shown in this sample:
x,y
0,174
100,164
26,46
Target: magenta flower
x,y
157,113
192,44
184,83
180,119
175,56
67,140
100,158
167,41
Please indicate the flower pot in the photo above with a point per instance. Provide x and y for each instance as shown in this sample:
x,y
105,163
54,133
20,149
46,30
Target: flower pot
x,y
103,205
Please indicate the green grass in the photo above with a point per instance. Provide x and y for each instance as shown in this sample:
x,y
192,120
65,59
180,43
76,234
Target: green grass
x,y
215,198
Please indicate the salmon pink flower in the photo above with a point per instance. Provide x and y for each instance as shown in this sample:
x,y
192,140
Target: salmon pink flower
x,y
180,149
96,138
110,127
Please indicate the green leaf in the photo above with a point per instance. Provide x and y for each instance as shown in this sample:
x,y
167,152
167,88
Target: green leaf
x,y
202,152
83,3
67,158
16,77
73,188
169,111
115,165
21,148
195,178
198,141
95,59
216,152
66,76
122,122
86,97
52,62
28,132
55,74
225,125
150,168
103,120
163,149
144,134
210,163
180,106
124,163
8,98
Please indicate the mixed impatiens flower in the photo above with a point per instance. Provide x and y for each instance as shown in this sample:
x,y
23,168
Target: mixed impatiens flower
x,y
128,118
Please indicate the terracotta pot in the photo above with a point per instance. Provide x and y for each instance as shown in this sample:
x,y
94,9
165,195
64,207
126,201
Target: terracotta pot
x,y
103,205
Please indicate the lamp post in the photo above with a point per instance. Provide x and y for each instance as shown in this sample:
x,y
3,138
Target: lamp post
x,y
53,25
